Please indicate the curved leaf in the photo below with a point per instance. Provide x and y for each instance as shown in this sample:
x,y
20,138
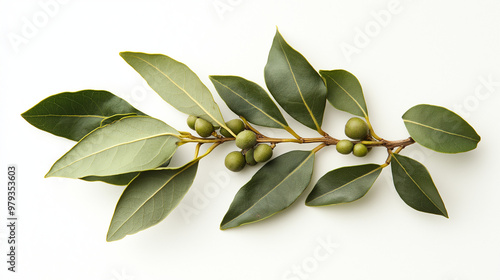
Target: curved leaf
x,y
440,129
149,198
343,185
248,99
176,84
415,186
294,83
74,114
128,145
345,92
119,180
272,189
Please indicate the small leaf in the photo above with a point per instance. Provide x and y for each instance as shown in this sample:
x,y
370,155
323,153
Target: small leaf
x,y
440,129
415,186
343,185
248,99
149,198
128,145
345,92
119,180
272,189
294,83
176,84
74,114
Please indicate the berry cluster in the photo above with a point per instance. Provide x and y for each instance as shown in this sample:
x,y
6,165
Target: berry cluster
x,y
357,129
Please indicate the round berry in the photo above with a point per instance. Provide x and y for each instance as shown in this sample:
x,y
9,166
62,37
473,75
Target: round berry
x,y
262,153
360,150
235,125
356,128
235,161
246,139
203,127
191,120
249,157
344,147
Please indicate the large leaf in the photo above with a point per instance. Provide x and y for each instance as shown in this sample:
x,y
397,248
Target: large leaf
x,y
272,189
128,145
440,129
345,92
248,99
343,185
294,83
74,114
149,198
415,186
176,84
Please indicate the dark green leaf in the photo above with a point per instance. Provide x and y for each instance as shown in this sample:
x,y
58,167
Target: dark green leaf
x,y
248,99
343,185
128,145
149,198
345,92
119,180
74,114
176,84
294,83
272,189
415,186
440,129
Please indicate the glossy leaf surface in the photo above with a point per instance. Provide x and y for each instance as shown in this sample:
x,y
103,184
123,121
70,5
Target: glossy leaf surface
x,y
149,198
415,186
272,189
345,92
74,114
248,99
343,185
176,84
128,145
440,129
295,85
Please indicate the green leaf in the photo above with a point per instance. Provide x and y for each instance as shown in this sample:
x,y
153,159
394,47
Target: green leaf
x,y
248,99
176,84
128,145
294,83
415,186
440,129
344,185
74,114
149,198
345,92
119,180
272,189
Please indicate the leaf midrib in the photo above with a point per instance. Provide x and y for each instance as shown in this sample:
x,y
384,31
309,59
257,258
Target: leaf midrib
x,y
344,185
151,196
418,186
260,110
298,88
109,148
182,89
440,130
271,190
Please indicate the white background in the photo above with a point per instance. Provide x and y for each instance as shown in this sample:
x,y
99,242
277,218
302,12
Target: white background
x,y
403,52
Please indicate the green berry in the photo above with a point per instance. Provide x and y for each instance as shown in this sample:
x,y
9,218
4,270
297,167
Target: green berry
x,y
235,125
203,127
356,128
360,150
344,147
235,161
249,157
262,153
191,120
246,139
